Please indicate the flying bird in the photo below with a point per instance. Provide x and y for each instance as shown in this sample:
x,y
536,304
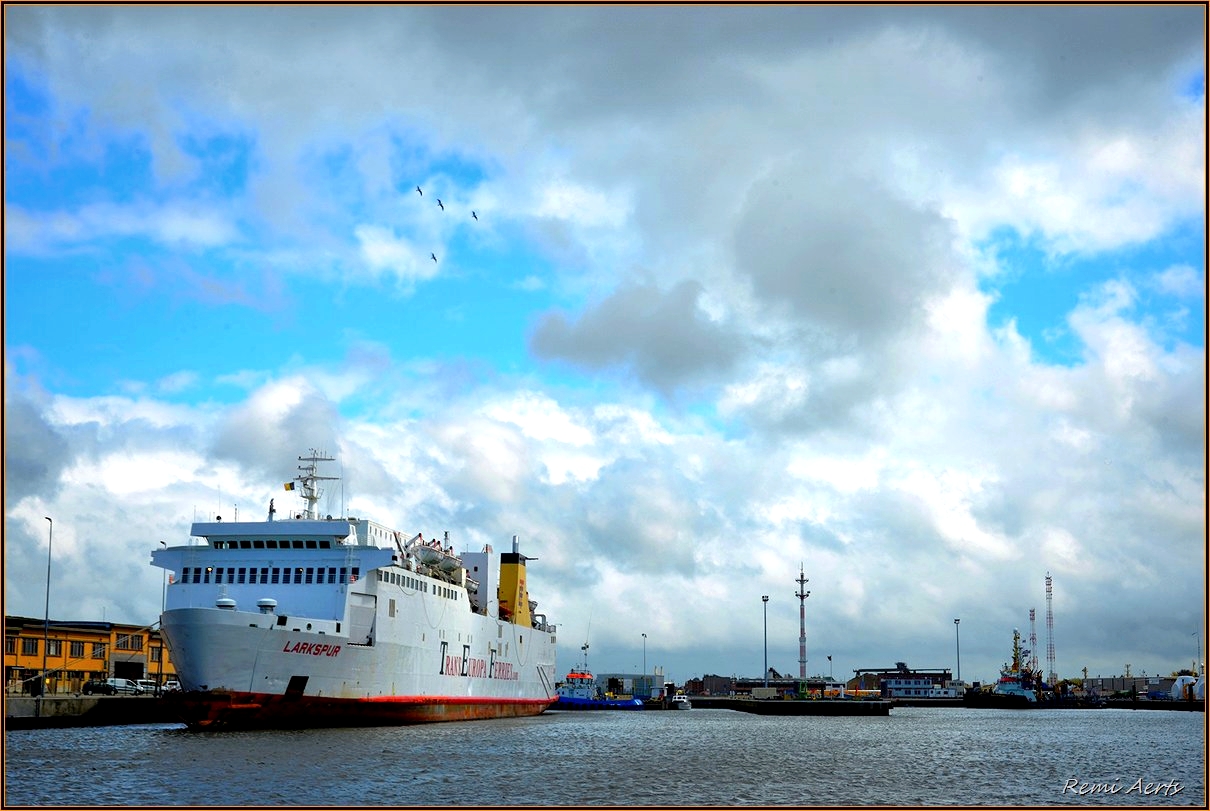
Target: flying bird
x,y
473,214
434,256
439,204
419,192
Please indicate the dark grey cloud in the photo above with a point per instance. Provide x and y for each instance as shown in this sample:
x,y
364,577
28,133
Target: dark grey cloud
x,y
841,253
264,440
35,452
661,336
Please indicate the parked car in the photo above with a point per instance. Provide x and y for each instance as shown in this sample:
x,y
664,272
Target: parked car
x,y
172,686
148,685
98,687
125,686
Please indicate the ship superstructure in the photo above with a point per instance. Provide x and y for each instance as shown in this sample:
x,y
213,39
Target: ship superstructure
x,y
312,621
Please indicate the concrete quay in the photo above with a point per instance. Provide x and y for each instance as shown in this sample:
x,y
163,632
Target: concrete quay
x,y
25,712
781,706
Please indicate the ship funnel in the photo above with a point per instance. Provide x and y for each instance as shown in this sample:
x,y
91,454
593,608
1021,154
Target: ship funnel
x,y
516,549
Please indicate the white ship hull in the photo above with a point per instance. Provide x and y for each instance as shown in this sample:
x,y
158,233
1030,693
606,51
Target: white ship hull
x,y
236,669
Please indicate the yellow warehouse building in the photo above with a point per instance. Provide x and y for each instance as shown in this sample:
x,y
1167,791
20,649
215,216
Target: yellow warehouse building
x,y
72,652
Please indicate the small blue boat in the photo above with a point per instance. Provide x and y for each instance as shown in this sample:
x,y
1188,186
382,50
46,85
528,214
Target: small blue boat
x,y
579,691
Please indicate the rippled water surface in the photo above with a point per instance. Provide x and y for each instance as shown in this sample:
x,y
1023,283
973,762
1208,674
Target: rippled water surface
x,y
917,756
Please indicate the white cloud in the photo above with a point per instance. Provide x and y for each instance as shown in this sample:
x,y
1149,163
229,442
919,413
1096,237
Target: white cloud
x,y
1181,281
386,252
173,225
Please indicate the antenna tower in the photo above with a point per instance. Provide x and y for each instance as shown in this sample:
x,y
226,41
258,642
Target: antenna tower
x,y
309,477
1033,640
802,594
1050,634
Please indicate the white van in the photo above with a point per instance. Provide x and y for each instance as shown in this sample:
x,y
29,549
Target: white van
x,y
147,684
125,686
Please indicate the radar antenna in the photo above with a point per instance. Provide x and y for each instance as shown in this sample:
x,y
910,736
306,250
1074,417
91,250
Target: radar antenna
x,y
308,478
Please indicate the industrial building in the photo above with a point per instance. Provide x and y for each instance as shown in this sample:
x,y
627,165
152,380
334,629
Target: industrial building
x,y
74,651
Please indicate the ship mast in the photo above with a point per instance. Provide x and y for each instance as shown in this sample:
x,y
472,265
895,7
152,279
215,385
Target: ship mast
x,y
308,478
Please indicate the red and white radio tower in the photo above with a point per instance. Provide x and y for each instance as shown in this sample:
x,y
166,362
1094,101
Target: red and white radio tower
x,y
802,594
1033,641
1050,635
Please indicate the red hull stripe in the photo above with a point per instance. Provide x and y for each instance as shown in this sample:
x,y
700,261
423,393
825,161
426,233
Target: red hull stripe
x,y
252,710
452,700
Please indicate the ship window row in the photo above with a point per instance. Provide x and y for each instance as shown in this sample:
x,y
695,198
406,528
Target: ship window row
x,y
400,579
271,544
270,574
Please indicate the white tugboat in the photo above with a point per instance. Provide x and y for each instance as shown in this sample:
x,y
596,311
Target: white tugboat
x,y
310,622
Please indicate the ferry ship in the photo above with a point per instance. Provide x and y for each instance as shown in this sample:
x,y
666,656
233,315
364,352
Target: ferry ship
x,y
313,621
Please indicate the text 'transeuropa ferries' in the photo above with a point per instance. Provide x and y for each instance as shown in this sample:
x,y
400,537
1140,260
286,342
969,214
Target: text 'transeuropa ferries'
x,y
314,622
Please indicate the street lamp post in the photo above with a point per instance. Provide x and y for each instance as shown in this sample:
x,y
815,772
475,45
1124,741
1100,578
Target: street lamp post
x,y
1197,666
958,649
645,685
765,600
50,543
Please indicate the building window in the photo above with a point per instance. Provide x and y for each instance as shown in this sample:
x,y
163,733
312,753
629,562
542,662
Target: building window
x,y
155,654
29,647
77,650
54,647
98,650
10,645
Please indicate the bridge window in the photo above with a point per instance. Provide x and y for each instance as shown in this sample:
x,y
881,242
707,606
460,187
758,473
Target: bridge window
x,y
310,574
264,575
241,574
331,574
298,575
276,574
311,545
258,544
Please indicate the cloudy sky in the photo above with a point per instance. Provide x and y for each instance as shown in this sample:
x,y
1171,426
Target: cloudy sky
x,y
912,297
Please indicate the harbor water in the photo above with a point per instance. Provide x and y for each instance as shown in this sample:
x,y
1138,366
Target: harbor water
x,y
914,757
